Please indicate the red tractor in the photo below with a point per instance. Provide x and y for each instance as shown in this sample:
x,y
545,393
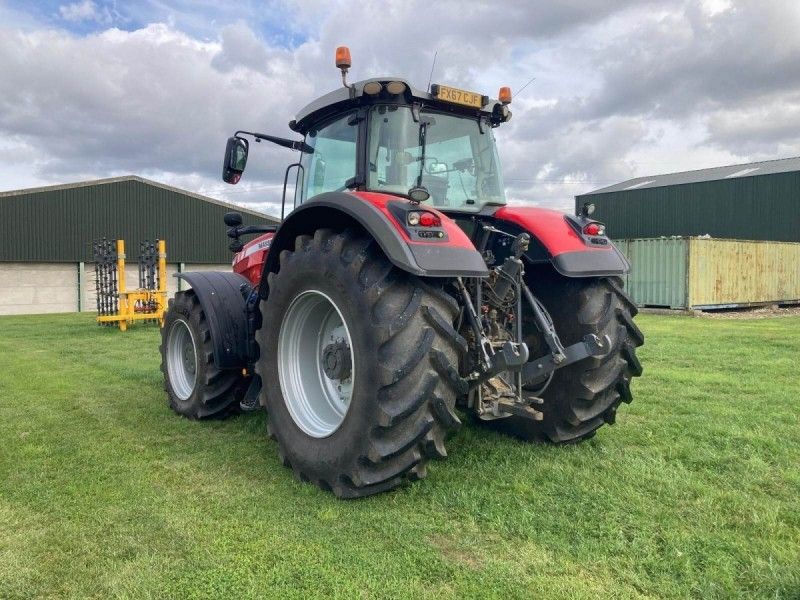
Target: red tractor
x,y
401,294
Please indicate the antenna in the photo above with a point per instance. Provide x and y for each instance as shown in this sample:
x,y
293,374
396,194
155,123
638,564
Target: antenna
x,y
530,81
430,77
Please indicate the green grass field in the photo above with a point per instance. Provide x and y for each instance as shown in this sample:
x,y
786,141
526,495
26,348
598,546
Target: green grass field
x,y
695,492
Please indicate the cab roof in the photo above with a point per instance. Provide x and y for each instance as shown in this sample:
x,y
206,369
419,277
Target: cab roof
x,y
353,96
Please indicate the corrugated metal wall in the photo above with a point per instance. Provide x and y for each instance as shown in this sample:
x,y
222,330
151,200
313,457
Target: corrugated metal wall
x,y
658,271
766,207
706,273
59,225
742,272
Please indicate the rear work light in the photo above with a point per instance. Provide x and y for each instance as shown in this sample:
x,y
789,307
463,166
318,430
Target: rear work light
x,y
595,229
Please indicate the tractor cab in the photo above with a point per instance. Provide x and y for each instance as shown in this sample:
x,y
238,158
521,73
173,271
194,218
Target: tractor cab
x,y
383,135
405,145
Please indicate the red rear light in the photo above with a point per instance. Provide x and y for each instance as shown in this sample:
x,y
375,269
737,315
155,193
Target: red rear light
x,y
427,219
595,229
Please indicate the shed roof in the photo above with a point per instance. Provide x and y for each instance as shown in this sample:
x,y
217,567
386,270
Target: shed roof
x,y
768,167
163,186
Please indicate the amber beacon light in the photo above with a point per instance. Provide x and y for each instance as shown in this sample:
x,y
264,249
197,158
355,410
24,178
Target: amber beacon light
x,y
504,95
343,58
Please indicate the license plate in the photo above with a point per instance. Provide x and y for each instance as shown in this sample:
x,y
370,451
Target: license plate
x,y
456,96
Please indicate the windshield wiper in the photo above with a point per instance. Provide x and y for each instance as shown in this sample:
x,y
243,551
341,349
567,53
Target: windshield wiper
x,y
419,193
423,130
418,189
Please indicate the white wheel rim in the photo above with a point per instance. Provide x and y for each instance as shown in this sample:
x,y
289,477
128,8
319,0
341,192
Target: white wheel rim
x,y
181,359
313,347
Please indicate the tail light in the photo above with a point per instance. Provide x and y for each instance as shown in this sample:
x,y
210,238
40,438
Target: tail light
x,y
423,219
595,229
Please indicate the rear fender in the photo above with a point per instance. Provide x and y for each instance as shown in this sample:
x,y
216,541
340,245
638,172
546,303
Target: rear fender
x,y
571,253
382,217
223,299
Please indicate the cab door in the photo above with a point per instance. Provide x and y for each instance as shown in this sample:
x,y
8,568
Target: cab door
x,y
333,164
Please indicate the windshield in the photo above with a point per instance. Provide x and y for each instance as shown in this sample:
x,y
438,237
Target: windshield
x,y
447,155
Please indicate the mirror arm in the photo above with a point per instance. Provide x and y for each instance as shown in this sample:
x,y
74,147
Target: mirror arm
x,y
251,229
235,232
291,144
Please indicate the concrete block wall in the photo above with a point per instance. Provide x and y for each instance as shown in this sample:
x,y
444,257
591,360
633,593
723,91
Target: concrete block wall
x,y
31,288
37,288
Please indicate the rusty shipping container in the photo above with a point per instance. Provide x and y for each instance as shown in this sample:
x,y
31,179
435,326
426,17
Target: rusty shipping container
x,y
708,273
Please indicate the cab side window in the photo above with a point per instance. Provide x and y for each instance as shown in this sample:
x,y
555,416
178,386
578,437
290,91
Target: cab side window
x,y
333,162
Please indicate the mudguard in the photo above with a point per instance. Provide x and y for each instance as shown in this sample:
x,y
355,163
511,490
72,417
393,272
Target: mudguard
x,y
222,297
571,253
381,215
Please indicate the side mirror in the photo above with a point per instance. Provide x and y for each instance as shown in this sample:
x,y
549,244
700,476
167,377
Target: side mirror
x,y
235,160
232,219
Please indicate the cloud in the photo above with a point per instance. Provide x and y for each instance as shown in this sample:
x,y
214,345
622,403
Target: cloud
x,y
84,11
128,100
240,47
622,89
685,62
764,129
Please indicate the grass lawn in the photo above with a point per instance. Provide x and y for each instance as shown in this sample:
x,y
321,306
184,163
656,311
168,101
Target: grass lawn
x,y
695,492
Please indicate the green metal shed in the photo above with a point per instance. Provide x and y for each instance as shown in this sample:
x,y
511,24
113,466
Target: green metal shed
x,y
756,201
58,223
46,237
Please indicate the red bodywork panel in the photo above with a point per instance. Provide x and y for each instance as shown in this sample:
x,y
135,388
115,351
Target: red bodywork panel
x,y
456,236
549,227
250,261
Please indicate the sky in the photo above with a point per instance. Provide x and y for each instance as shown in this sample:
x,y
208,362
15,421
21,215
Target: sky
x,y
621,89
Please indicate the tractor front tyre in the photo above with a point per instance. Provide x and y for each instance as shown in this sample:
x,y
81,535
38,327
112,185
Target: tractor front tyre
x,y
359,363
196,388
583,396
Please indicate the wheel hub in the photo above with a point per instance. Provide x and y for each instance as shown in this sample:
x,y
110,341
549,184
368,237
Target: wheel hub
x,y
188,357
181,359
336,360
316,364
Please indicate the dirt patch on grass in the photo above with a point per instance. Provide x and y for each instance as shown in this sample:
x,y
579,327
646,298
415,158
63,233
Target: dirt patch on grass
x,y
453,550
745,312
760,312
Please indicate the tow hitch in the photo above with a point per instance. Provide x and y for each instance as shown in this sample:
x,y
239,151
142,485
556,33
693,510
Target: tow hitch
x,y
590,346
503,368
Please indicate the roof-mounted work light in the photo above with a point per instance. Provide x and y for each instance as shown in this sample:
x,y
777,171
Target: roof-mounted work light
x,y
373,87
395,87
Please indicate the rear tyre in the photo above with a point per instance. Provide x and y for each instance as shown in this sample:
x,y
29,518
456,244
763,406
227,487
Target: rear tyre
x,y
359,366
584,396
196,388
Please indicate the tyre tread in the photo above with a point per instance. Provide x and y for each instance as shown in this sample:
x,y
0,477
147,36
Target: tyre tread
x,y
415,343
217,396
